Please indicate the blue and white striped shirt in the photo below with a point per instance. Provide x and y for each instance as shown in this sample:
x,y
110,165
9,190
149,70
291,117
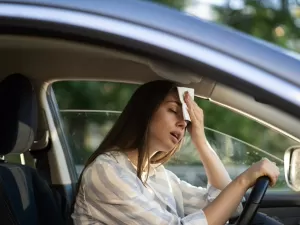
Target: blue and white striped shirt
x,y
111,193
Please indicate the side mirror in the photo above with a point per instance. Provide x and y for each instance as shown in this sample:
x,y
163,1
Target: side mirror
x,y
292,167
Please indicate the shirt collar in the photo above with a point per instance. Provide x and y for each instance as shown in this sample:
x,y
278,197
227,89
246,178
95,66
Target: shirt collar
x,y
123,159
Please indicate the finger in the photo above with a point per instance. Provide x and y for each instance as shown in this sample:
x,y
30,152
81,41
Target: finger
x,y
274,180
195,106
192,114
188,100
271,170
271,179
197,109
265,159
275,168
190,107
198,112
274,176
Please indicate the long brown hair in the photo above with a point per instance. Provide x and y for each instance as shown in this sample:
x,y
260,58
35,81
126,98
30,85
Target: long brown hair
x,y
131,128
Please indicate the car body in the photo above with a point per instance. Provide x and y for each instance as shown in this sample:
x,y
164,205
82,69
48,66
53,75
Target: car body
x,y
132,42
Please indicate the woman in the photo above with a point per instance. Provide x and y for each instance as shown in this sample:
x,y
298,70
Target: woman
x,y
124,181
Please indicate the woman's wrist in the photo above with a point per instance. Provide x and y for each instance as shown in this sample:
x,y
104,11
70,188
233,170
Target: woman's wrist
x,y
202,144
243,181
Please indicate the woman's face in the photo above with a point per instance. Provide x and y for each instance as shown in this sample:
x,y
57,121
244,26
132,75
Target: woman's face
x,y
167,126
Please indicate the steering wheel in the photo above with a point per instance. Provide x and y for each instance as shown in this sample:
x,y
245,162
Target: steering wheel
x,y
253,201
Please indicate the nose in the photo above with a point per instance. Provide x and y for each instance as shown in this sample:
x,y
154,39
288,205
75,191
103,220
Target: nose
x,y
182,123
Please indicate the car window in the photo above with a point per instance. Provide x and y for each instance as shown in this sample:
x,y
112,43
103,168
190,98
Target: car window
x,y
13,158
88,109
24,159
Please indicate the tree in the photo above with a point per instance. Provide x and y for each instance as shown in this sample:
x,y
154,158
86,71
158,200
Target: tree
x,y
262,19
177,4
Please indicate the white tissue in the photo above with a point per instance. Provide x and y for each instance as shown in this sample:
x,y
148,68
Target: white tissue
x,y
181,91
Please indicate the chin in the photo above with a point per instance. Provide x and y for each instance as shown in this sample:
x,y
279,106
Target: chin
x,y
169,148
166,147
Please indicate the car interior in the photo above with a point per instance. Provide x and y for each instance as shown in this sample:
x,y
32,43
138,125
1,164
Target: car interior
x,y
43,193
26,198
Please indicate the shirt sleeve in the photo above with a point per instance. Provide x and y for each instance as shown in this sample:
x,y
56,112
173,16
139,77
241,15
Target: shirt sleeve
x,y
113,195
195,198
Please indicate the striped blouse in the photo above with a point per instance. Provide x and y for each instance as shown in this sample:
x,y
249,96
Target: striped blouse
x,y
111,193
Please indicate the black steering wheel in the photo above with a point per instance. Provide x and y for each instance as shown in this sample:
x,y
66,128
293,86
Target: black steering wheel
x,y
253,201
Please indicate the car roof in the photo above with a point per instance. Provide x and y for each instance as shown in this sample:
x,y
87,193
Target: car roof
x,y
265,56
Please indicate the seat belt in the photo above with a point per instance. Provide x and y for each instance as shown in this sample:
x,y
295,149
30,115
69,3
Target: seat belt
x,y
42,162
43,168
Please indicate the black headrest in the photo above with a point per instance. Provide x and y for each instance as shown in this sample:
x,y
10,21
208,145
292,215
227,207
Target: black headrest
x,y
18,114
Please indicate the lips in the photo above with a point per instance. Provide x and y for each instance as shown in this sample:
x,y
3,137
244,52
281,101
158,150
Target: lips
x,y
176,135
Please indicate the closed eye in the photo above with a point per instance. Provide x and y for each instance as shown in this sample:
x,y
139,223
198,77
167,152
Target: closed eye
x,y
173,111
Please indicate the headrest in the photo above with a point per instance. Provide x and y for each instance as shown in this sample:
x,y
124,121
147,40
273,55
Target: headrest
x,y
18,114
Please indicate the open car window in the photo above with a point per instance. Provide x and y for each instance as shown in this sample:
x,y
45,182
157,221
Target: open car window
x,y
88,109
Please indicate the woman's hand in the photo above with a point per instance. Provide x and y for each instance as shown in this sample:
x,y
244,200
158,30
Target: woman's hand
x,y
223,207
196,128
262,168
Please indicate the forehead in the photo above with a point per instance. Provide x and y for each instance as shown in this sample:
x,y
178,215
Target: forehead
x,y
172,96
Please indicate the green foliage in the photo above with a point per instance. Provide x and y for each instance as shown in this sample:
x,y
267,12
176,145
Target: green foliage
x,y
177,4
262,20
92,95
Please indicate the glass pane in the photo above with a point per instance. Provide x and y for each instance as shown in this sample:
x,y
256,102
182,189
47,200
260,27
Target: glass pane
x,y
239,141
13,158
85,131
235,154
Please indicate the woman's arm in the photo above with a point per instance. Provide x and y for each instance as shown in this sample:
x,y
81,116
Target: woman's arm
x,y
219,211
232,194
216,173
226,203
214,168
195,198
218,206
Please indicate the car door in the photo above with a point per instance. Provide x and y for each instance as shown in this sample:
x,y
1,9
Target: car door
x,y
170,37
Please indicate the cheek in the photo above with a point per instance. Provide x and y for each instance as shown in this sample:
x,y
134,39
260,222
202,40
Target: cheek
x,y
162,121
